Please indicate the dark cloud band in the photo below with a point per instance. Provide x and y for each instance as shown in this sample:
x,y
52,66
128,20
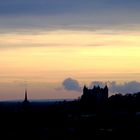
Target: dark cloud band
x,y
66,13
114,87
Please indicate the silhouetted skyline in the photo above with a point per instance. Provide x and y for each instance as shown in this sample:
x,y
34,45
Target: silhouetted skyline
x,y
94,115
56,47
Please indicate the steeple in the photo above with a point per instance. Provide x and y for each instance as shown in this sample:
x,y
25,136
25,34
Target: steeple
x,y
25,103
26,97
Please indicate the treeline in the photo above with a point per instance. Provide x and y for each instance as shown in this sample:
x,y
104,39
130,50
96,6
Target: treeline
x,y
116,117
130,102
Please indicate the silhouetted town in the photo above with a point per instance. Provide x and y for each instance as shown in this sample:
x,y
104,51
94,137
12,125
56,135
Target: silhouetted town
x,y
94,115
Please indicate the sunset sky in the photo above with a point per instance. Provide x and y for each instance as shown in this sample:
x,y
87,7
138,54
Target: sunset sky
x,y
54,47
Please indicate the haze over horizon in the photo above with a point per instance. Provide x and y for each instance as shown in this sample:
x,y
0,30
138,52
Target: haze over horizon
x,y
55,47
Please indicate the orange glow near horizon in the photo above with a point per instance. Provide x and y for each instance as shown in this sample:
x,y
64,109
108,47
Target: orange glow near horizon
x,y
53,56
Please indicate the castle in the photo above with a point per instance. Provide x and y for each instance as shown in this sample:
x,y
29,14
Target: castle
x,y
95,95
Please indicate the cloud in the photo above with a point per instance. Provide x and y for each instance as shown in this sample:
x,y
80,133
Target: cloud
x,y
127,87
71,85
114,87
75,14
96,83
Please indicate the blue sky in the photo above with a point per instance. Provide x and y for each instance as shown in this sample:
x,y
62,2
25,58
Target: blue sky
x,y
51,7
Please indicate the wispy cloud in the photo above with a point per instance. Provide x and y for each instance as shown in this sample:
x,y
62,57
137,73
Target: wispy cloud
x,y
67,38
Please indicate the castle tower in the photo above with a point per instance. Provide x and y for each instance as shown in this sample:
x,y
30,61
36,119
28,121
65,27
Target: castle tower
x,y
85,90
106,91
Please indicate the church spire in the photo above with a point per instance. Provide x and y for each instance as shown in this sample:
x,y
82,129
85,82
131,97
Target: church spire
x,y
26,103
26,96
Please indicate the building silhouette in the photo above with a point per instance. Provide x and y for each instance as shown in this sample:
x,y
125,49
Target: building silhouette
x,y
95,95
26,97
25,103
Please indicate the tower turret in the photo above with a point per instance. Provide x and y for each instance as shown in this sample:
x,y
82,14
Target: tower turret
x,y
106,91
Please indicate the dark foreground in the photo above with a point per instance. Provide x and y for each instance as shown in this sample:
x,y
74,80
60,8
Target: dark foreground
x,y
67,120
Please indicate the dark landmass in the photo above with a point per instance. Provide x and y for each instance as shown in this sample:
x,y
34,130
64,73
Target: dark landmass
x,y
93,116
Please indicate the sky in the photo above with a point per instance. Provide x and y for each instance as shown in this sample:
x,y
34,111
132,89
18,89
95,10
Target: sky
x,y
53,47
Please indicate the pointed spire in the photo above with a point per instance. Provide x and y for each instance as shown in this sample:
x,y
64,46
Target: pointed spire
x,y
26,103
26,97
